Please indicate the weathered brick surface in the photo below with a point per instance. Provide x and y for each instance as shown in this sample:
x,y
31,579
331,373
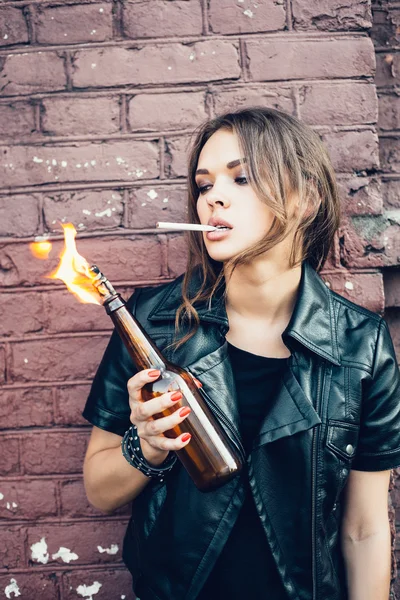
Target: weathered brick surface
x,y
33,585
353,150
70,404
171,63
389,111
246,17
149,112
176,156
147,205
391,194
361,196
74,503
328,15
177,254
45,453
126,257
25,313
13,26
82,539
162,18
99,99
28,500
19,216
120,160
80,116
29,72
16,118
88,209
106,583
362,288
9,455
392,288
390,154
21,407
65,314
40,359
274,60
74,23
342,104
12,554
281,98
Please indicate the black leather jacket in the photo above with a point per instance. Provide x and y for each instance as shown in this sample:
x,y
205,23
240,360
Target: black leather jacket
x,y
338,408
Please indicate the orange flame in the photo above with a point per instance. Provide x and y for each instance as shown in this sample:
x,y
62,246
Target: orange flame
x,y
41,249
73,269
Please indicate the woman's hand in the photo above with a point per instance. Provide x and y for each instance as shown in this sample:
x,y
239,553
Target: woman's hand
x,y
154,445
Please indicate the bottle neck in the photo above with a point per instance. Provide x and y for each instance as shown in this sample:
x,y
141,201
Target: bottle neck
x,y
142,350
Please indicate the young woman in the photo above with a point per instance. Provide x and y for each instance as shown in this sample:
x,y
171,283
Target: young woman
x,y
307,379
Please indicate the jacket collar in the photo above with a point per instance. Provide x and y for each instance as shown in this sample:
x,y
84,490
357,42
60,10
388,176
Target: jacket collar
x,y
312,324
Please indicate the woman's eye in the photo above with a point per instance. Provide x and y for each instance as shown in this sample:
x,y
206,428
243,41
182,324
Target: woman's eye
x,y
201,189
241,180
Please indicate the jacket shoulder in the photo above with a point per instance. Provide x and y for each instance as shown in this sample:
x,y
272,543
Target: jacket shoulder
x,y
145,300
357,330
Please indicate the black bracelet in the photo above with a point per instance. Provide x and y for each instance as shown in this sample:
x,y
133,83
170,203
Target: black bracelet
x,y
133,453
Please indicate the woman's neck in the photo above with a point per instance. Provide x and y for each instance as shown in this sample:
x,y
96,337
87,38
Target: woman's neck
x,y
263,291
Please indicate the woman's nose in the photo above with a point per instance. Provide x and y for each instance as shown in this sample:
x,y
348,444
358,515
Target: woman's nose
x,y
217,197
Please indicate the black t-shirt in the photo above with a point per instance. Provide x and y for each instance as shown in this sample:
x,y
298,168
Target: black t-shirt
x,y
245,567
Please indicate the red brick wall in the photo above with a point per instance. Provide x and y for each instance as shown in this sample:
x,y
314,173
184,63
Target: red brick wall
x,y
386,37
97,101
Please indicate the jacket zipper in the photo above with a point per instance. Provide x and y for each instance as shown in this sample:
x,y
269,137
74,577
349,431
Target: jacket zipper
x,y
313,480
234,437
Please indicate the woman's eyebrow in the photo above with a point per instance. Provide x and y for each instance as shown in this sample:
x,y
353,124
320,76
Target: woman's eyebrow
x,y
230,165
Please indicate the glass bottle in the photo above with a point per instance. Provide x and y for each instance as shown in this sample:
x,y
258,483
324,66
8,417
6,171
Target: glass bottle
x,y
210,458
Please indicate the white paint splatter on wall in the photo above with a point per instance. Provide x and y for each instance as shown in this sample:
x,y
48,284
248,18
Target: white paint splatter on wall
x,y
12,588
65,554
39,552
87,591
112,550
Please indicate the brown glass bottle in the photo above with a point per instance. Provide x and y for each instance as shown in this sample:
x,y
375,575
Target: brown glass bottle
x,y
210,458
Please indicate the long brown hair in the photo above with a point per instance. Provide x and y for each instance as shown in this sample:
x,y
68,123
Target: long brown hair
x,y
283,156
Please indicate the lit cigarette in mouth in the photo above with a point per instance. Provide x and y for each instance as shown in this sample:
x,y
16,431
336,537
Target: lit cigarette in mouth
x,y
186,226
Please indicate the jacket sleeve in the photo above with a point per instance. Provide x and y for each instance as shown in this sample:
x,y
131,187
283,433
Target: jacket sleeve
x,y
379,442
107,406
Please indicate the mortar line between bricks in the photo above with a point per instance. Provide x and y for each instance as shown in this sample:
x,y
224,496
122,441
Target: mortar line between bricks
x,y
233,38
60,288
68,69
224,83
123,114
68,520
204,13
161,149
29,337
95,234
289,15
69,187
30,16
178,88
152,136
120,566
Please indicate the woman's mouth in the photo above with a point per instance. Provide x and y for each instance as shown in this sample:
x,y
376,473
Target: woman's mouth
x,y
219,234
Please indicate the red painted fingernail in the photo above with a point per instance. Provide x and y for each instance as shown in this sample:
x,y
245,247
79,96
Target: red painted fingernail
x,y
184,411
154,372
176,396
186,437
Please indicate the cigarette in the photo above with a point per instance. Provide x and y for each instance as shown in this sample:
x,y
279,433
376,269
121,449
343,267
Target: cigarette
x,y
185,226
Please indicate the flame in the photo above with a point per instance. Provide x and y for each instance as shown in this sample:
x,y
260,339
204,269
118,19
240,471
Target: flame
x,y
41,249
73,269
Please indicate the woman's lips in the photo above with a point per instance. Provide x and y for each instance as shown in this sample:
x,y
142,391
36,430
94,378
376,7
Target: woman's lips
x,y
218,234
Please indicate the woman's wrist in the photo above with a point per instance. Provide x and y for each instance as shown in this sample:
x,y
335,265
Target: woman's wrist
x,y
152,455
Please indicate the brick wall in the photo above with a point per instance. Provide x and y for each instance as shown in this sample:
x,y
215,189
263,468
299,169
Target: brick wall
x,y
386,37
97,102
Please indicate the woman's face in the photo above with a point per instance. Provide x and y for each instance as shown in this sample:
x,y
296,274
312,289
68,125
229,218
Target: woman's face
x,y
224,193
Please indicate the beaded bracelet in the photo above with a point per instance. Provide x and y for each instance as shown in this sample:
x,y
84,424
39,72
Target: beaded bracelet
x,y
132,451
